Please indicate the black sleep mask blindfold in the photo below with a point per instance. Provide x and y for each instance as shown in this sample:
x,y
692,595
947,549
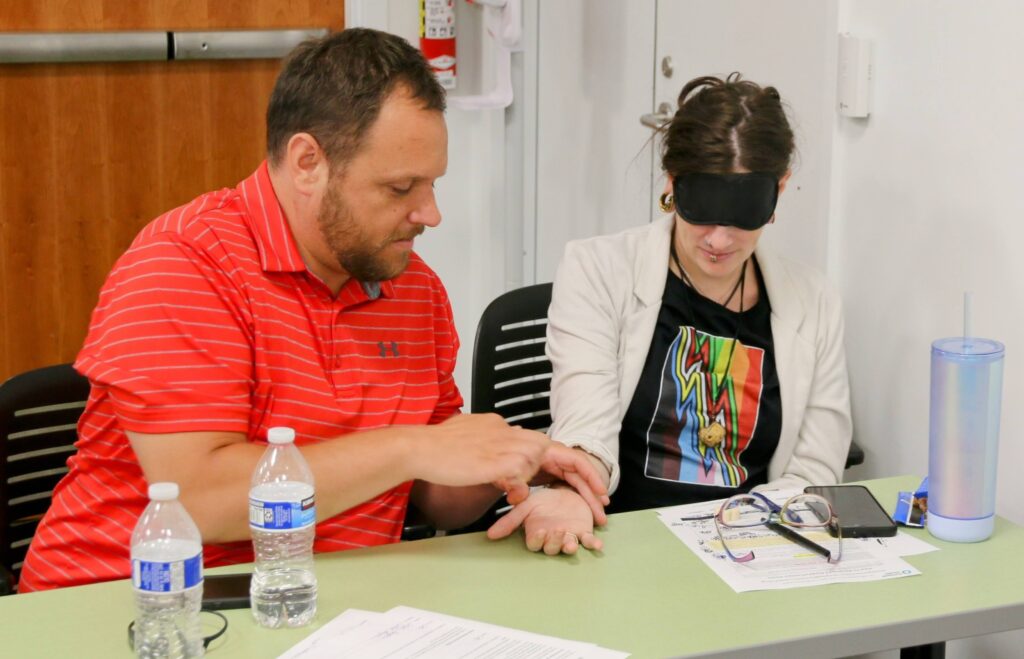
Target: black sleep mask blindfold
x,y
744,201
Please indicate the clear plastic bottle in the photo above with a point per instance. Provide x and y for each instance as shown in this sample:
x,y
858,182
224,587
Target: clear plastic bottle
x,y
167,576
282,518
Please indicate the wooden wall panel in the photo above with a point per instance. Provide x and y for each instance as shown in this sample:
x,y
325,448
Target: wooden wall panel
x,y
89,153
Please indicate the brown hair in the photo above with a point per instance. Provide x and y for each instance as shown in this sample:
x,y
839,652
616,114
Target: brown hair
x,y
333,88
722,125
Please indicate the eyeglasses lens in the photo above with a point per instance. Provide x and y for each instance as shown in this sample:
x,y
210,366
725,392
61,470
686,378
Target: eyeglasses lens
x,y
807,511
744,511
810,516
737,515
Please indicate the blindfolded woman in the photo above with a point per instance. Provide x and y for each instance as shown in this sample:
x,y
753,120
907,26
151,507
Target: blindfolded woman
x,y
689,362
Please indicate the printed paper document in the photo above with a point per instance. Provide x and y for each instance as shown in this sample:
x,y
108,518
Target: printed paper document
x,y
781,563
408,632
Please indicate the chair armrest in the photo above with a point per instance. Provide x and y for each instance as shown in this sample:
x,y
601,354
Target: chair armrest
x,y
6,581
416,526
855,456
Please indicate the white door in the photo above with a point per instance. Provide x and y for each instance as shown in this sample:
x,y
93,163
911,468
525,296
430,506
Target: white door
x,y
599,70
789,44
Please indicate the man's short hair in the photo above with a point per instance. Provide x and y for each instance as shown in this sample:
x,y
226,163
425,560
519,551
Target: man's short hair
x,y
333,89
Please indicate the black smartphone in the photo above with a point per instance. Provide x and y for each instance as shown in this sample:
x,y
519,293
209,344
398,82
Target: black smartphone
x,y
226,591
859,513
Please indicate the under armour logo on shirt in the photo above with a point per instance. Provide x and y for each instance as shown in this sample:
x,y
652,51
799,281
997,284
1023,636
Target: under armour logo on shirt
x,y
384,349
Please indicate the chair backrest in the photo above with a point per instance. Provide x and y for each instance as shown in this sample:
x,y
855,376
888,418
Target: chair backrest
x,y
39,413
511,373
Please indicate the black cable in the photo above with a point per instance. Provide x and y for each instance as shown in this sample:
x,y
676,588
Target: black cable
x,y
206,639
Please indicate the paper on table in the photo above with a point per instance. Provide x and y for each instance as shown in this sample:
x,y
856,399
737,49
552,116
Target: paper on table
x,y
321,643
779,563
901,544
408,632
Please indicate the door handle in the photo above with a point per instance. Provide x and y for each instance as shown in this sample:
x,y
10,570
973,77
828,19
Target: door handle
x,y
658,119
76,47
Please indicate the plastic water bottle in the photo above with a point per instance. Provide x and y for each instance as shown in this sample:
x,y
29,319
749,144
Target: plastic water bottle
x,y
167,576
282,518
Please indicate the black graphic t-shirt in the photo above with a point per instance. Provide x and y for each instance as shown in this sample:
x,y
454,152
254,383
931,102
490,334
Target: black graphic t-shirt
x,y
692,431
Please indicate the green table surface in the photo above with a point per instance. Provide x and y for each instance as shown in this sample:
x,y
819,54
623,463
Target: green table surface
x,y
646,594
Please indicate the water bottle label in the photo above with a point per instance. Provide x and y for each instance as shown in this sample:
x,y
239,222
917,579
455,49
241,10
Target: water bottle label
x,y
167,577
282,515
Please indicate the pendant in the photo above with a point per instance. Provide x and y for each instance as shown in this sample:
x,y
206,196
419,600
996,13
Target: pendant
x,y
711,436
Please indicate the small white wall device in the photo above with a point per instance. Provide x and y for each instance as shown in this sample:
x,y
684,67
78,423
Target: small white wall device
x,y
856,71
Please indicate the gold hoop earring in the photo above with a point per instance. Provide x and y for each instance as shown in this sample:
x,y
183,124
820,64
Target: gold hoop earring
x,y
666,202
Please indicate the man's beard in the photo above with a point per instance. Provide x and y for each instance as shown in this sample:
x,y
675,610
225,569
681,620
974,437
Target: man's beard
x,y
353,249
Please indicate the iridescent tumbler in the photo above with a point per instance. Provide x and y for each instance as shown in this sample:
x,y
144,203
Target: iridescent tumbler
x,y
963,437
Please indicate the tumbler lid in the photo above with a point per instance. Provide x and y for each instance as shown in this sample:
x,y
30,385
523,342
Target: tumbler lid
x,y
969,347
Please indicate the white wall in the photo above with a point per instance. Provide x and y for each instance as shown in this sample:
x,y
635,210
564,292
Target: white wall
x,y
928,204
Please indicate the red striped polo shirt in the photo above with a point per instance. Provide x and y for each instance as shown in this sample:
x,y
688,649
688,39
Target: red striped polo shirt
x,y
211,322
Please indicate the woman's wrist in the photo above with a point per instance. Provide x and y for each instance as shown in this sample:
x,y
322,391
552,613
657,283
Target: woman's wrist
x,y
562,485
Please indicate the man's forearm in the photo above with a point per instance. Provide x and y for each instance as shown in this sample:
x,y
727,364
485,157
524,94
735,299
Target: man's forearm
x,y
214,469
347,471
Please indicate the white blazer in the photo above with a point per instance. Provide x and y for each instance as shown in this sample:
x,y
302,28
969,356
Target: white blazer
x,y
601,322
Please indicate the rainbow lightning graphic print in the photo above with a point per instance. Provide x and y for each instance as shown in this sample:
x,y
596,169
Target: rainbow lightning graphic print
x,y
695,392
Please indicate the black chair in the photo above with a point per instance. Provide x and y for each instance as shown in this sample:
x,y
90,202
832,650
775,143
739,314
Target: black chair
x,y
39,413
511,373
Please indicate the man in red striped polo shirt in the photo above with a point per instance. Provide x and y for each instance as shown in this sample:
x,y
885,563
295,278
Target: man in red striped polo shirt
x,y
294,300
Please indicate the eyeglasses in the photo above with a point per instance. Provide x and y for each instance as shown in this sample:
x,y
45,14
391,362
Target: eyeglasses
x,y
806,519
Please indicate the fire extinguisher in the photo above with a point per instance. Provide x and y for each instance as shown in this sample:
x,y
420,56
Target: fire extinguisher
x,y
437,38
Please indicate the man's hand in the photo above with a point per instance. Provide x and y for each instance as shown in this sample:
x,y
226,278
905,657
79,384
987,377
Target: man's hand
x,y
571,465
575,467
470,449
554,519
